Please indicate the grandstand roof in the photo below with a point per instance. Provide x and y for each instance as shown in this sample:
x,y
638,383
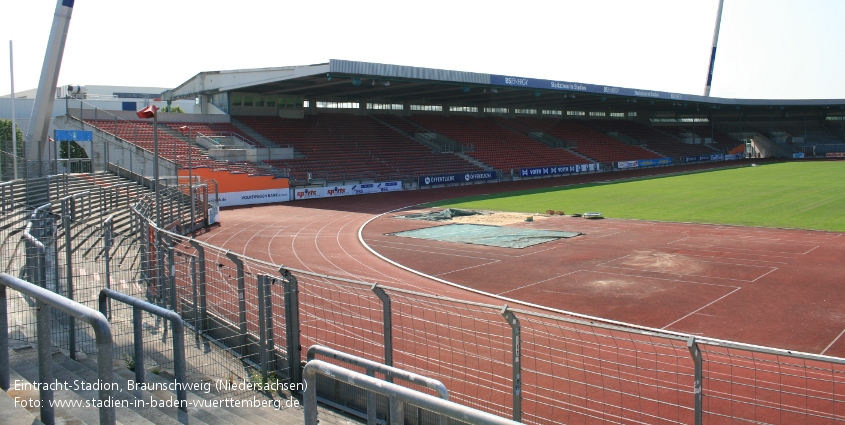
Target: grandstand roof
x,y
351,81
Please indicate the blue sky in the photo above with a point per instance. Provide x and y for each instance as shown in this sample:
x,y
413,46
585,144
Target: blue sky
x,y
768,49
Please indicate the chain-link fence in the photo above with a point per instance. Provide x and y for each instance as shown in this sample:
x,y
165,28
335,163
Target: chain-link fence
x,y
249,320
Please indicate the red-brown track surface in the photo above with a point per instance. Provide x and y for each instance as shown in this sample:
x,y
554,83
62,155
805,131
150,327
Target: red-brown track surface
x,y
771,287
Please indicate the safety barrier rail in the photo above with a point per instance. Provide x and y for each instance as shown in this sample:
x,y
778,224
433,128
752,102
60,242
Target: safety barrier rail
x,y
178,335
45,301
389,372
402,394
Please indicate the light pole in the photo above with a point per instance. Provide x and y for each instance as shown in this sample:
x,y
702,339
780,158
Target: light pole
x,y
14,133
713,51
190,177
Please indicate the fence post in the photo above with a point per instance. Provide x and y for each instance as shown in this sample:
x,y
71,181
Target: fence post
x,y
143,248
107,243
387,319
68,206
241,300
516,341
695,352
54,254
45,360
181,205
171,260
292,324
170,208
194,296
203,307
267,305
159,252
262,323
4,340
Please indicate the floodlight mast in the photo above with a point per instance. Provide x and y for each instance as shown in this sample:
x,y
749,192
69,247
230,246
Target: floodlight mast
x,y
713,52
46,93
36,141
14,125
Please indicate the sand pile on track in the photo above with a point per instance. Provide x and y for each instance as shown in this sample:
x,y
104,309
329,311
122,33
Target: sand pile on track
x,y
496,218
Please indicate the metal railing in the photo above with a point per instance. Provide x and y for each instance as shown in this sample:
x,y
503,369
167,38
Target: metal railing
x,y
46,300
389,373
178,335
404,395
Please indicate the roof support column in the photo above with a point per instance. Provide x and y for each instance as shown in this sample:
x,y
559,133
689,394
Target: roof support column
x,y
204,100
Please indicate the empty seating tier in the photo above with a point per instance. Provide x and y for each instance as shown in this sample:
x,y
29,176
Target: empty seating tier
x,y
141,134
345,147
496,145
588,142
655,139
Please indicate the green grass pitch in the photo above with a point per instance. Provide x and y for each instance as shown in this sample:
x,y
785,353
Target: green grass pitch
x,y
804,195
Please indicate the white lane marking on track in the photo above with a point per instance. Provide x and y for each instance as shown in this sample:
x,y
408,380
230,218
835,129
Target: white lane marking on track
x,y
702,308
831,342
467,268
764,274
539,282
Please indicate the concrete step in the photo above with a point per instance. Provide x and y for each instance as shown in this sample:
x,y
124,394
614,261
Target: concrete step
x,y
23,358
138,400
25,364
209,414
195,416
23,372
212,414
15,414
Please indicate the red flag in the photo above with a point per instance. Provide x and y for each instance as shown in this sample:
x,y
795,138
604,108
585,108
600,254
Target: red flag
x,y
148,112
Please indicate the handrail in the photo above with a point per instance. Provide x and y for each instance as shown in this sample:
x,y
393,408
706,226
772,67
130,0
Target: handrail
x,y
388,371
251,144
27,234
370,365
401,394
47,299
138,330
4,197
209,138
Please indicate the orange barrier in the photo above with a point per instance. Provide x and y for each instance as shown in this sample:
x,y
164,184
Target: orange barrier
x,y
236,182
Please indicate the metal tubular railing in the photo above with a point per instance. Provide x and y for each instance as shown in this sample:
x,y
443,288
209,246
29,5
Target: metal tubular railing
x,y
69,216
390,372
36,264
137,327
45,300
7,197
401,394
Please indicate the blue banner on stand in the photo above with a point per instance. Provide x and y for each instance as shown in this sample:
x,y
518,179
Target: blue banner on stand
x,y
654,162
457,178
74,136
556,170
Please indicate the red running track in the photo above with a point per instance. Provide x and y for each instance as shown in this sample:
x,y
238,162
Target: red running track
x,y
770,287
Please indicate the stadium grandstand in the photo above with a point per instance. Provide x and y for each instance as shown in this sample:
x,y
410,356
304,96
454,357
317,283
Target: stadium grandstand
x,y
131,223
